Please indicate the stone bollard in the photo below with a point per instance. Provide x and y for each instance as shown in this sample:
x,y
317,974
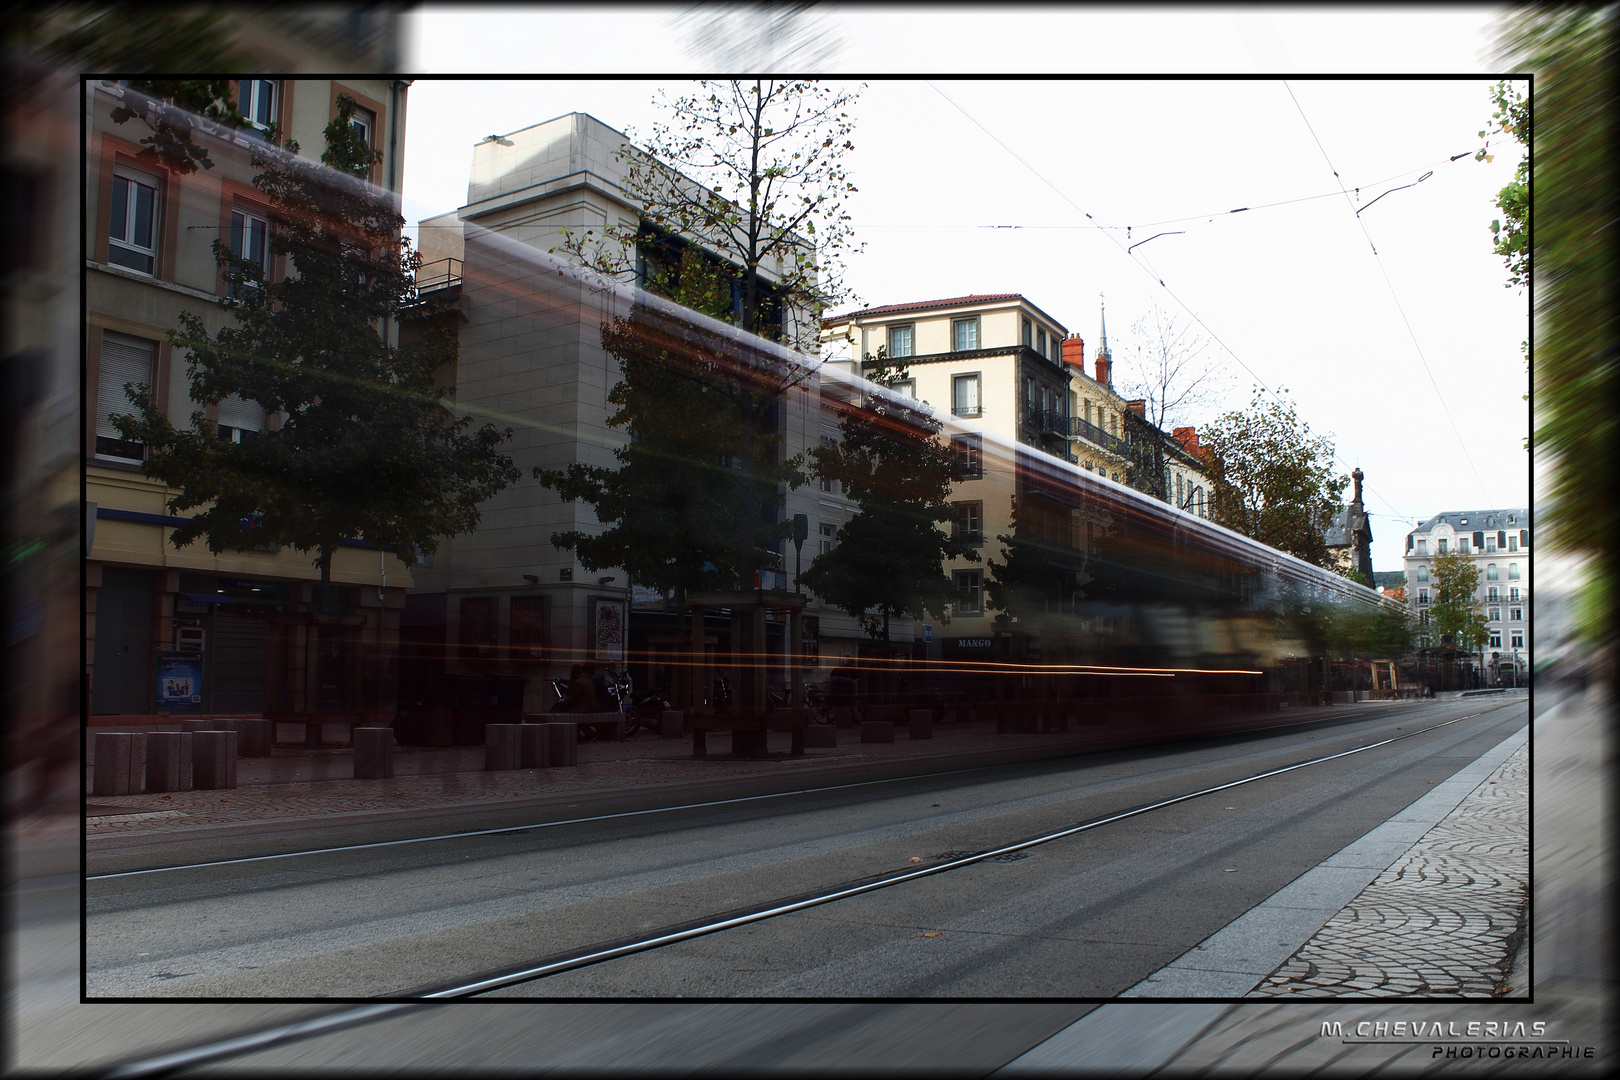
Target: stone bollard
x,y
877,731
254,737
120,767
562,744
213,760
672,723
607,725
501,746
534,748
373,753
820,735
168,761
922,724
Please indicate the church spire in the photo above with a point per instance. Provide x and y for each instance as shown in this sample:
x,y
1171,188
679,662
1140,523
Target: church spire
x,y
1102,350
1104,364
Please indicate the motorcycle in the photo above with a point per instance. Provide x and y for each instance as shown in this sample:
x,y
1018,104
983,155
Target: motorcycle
x,y
637,709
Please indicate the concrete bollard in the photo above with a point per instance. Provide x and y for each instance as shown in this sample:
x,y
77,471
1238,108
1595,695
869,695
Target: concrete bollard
x,y
877,731
820,735
672,723
168,761
534,747
922,724
607,725
213,760
120,767
254,737
562,744
373,753
501,746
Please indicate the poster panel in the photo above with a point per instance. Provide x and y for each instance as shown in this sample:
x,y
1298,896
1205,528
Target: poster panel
x,y
609,630
179,679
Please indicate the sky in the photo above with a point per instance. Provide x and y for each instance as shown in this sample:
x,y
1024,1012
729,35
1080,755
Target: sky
x,y
1391,330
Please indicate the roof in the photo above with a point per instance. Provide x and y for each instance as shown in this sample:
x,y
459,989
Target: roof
x,y
926,305
1473,520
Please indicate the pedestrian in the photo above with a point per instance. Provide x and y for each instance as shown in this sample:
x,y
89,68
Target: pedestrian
x,y
581,691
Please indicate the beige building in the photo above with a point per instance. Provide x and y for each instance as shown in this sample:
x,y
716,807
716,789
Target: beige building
x,y
148,257
1498,542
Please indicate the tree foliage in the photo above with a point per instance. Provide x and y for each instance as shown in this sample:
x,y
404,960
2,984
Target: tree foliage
x,y
1455,610
1272,479
1042,572
366,447
890,559
1512,230
1570,51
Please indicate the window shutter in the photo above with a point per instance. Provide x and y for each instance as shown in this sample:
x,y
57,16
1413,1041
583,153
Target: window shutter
x,y
1501,540
1479,541
124,359
1524,538
236,412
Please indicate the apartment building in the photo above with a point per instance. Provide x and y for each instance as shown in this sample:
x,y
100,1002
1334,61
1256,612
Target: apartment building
x,y
1498,542
504,601
149,257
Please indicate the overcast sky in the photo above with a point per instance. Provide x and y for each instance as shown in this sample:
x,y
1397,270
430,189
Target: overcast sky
x,y
1408,357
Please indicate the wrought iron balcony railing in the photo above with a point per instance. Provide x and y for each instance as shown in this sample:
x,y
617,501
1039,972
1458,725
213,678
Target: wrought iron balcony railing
x,y
439,274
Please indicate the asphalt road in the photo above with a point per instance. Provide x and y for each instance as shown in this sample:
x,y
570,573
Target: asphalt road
x,y
1080,918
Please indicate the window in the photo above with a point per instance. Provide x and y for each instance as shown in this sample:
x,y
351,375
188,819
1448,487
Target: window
x,y
528,627
1423,573
132,223
970,592
1513,571
1490,572
1030,401
969,524
899,341
1203,507
363,123
249,234
969,451
257,100
1442,545
964,334
1513,543
1462,545
1496,639
905,388
1423,596
1423,616
1517,639
1513,593
1492,594
1422,547
965,395
1029,334
239,419
829,536
1040,341
829,485
1495,615
1490,545
1516,614
124,359
1524,539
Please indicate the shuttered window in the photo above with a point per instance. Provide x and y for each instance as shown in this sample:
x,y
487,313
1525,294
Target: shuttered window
x,y
239,418
124,359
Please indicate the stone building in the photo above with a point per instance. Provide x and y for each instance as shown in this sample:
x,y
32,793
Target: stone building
x,y
1498,542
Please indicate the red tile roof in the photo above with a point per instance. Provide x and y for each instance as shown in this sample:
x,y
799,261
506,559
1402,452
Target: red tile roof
x,y
920,305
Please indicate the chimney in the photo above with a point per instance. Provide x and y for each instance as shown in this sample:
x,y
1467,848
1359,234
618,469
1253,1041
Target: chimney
x,y
1074,353
1139,407
1188,438
1102,364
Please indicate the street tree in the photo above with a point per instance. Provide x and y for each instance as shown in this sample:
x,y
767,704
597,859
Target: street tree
x,y
1570,50
750,173
362,445
1455,610
1272,478
890,557
1166,366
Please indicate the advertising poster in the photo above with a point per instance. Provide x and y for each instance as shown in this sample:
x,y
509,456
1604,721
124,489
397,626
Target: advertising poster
x,y
610,630
179,679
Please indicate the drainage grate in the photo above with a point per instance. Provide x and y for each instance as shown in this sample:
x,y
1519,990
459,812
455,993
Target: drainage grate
x,y
1011,856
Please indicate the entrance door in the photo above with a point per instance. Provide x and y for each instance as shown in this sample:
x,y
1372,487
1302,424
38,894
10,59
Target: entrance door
x,y
123,657
239,652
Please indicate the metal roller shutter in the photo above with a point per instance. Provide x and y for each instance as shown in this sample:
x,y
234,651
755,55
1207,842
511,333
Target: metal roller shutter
x,y
239,650
124,359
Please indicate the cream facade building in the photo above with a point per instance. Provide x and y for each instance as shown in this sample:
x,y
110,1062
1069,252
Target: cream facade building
x,y
1498,542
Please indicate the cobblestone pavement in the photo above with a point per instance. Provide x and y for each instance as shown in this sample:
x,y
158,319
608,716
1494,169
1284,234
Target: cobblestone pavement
x,y
1441,921
290,787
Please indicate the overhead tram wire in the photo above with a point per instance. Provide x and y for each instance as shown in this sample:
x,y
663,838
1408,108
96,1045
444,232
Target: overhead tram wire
x,y
1142,264
1390,285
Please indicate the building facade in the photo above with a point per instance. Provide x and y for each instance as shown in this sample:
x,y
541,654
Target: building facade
x,y
1498,542
149,257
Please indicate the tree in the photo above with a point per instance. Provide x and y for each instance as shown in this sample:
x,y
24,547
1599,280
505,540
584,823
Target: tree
x,y
750,173
1041,574
1455,610
890,558
1512,229
1570,51
1165,370
1272,479
367,448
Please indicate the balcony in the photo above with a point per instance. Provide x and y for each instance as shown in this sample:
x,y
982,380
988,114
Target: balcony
x,y
1084,429
439,274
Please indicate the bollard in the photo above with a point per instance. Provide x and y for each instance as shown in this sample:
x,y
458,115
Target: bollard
x,y
922,724
607,725
373,753
213,759
562,743
672,723
168,761
877,731
820,735
500,746
114,767
534,749
254,737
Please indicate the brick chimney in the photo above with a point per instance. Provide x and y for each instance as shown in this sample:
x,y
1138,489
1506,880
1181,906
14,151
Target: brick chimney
x,y
1103,364
1139,407
1074,353
1188,438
